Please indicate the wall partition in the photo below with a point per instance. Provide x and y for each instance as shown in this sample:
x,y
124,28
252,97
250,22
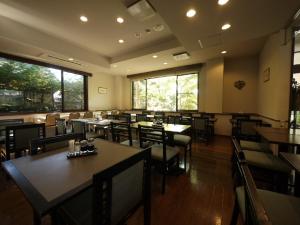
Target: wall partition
x,y
28,86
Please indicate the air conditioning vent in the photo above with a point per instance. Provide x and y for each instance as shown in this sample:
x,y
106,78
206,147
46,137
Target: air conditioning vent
x,y
141,10
44,55
181,56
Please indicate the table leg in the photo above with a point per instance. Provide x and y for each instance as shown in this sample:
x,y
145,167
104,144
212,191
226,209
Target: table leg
x,y
37,220
297,184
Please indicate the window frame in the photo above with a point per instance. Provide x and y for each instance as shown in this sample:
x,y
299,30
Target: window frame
x,y
178,75
51,66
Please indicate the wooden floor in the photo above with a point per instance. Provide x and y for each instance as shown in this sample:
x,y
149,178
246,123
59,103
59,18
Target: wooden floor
x,y
202,196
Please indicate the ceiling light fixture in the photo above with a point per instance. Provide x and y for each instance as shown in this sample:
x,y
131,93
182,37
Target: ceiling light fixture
x,y
226,26
224,52
120,20
70,59
83,19
114,66
223,2
165,63
154,56
121,41
191,13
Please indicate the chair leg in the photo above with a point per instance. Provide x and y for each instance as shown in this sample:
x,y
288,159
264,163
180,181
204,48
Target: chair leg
x,y
185,153
163,189
235,213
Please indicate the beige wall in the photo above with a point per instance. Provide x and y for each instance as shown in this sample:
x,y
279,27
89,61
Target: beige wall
x,y
244,100
273,95
101,101
122,86
214,70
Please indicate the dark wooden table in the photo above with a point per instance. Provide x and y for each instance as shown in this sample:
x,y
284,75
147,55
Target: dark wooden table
x,y
279,135
294,161
170,128
49,179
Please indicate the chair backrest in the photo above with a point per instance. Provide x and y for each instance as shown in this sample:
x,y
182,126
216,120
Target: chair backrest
x,y
174,119
88,114
141,117
40,144
120,189
255,213
18,137
240,116
61,126
207,115
245,128
125,117
75,115
51,119
120,132
8,122
200,123
78,127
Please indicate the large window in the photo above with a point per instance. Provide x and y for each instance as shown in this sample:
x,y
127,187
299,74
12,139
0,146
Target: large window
x,y
26,87
170,93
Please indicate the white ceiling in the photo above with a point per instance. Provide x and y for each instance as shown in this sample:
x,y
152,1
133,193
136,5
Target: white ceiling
x,y
36,29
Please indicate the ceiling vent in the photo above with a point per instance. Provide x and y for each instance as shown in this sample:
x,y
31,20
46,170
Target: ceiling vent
x,y
141,10
45,56
181,56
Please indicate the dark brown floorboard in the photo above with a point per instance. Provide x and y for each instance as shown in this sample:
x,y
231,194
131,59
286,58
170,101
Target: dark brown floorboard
x,y
202,196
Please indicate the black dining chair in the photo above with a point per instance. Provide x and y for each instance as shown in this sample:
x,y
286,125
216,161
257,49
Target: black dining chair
x,y
121,133
79,127
115,194
200,127
125,117
258,206
162,155
18,138
267,169
174,119
246,131
141,117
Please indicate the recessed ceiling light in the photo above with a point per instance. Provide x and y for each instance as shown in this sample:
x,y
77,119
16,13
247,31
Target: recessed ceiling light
x,y
154,56
165,63
120,20
226,26
224,52
222,2
114,66
83,19
191,13
70,59
121,41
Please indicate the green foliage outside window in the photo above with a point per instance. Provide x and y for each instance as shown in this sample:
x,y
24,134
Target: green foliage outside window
x,y
168,93
28,87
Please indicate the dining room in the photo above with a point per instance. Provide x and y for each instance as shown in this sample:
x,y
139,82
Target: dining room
x,y
149,112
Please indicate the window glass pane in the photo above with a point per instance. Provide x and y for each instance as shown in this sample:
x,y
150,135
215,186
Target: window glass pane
x,y
73,91
188,92
161,94
139,94
29,88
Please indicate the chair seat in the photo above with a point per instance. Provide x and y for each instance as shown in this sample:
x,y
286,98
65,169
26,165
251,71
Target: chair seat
x,y
254,146
157,152
78,209
266,160
182,140
281,208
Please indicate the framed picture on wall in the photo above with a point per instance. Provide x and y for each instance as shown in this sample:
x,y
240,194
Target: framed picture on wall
x,y
102,90
267,74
